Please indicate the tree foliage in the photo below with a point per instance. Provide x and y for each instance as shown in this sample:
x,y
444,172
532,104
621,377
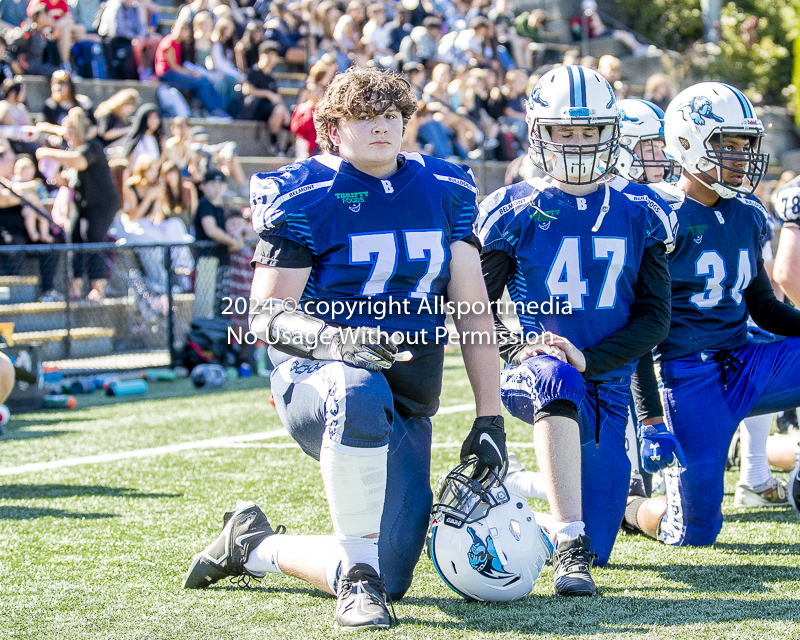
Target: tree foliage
x,y
672,24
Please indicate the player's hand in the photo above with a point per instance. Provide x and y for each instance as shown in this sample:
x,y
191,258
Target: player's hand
x,y
363,347
487,441
659,448
574,355
538,350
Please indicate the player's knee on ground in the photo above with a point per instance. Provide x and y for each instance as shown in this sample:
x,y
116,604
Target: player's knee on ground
x,y
542,387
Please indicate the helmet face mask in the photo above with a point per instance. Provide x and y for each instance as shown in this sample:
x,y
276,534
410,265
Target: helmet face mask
x,y
484,541
641,128
578,97
721,158
701,127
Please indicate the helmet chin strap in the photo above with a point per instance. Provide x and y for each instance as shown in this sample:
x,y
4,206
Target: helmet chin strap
x,y
604,209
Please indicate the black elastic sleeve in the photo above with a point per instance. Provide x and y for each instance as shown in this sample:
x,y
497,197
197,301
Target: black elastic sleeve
x,y
281,252
649,323
644,388
497,268
767,311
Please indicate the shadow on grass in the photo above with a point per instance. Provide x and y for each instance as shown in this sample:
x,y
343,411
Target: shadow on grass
x,y
784,514
612,614
762,548
33,491
17,434
29,513
744,578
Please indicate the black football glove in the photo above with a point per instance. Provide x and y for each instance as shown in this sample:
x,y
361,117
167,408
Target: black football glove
x,y
364,347
487,441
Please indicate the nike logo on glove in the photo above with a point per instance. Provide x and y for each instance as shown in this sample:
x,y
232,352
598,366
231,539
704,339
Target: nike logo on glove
x,y
491,442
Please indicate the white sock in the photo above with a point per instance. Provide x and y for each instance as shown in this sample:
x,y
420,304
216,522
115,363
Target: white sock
x,y
528,484
355,485
357,550
754,433
264,558
567,530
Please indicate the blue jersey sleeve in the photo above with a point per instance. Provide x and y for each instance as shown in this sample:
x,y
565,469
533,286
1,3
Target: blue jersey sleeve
x,y
278,200
761,216
662,224
497,226
460,183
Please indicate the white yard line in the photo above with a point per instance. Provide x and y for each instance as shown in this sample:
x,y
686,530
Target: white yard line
x,y
212,443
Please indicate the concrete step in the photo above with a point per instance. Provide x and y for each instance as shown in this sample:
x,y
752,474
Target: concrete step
x,y
18,288
85,342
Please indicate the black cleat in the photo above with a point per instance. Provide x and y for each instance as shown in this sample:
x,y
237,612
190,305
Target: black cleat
x,y
572,562
793,487
244,529
361,600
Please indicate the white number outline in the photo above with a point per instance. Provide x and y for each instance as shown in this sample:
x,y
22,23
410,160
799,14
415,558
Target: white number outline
x,y
614,269
373,248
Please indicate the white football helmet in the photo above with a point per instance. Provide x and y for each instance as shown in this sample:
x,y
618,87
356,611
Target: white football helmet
x,y
640,122
704,113
573,96
484,541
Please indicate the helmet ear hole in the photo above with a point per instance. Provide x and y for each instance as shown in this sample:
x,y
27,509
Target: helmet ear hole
x,y
684,143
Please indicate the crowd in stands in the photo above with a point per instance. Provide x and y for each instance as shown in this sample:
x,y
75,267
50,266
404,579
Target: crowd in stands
x,y
472,65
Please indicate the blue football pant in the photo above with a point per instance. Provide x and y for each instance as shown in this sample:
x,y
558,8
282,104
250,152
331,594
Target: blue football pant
x,y
703,415
355,406
605,468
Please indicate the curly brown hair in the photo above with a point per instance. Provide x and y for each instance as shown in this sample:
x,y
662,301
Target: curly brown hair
x,y
358,92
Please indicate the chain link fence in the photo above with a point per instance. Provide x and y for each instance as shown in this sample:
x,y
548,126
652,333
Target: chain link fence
x,y
152,294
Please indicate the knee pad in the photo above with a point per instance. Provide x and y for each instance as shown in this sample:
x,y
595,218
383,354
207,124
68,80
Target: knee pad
x,y
537,382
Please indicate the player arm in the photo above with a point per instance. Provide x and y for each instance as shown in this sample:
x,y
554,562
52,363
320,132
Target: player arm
x,y
497,267
275,292
787,262
650,317
481,357
766,310
644,389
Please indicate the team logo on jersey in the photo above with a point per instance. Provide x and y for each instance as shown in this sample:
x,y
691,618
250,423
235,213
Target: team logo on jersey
x,y
719,217
483,557
698,109
697,232
544,218
354,199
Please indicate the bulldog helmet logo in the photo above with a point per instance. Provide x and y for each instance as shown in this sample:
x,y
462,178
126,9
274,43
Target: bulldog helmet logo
x,y
483,557
698,110
536,96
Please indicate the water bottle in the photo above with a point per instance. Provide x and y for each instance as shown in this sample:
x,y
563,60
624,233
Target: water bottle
x,y
208,376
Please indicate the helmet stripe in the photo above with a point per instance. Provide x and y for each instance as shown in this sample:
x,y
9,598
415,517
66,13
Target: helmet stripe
x,y
439,571
583,86
577,86
743,101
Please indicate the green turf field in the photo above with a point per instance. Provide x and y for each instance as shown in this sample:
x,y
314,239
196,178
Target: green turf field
x,y
102,514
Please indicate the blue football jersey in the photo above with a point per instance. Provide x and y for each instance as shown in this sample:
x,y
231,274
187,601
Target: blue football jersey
x,y
373,241
570,280
716,256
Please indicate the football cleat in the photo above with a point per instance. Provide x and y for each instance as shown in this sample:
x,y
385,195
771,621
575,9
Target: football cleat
x,y
244,529
572,564
770,494
361,600
793,488
734,459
